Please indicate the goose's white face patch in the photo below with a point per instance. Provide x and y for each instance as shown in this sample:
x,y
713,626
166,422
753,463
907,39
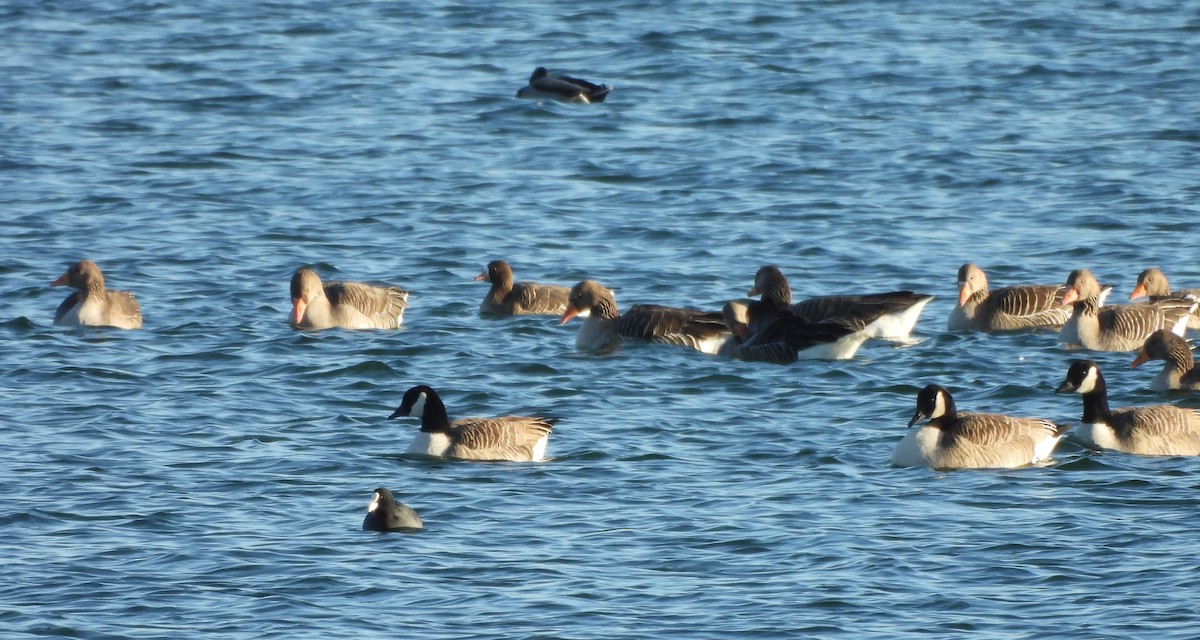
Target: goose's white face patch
x,y
939,406
1089,381
374,503
418,408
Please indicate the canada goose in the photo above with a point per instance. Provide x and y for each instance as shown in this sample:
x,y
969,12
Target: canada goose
x,y
506,298
385,514
950,440
512,438
603,329
888,316
1116,328
1179,370
348,305
91,305
1013,308
1153,284
543,85
787,340
1155,430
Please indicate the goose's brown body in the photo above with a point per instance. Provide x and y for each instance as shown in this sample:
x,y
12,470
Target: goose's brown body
x,y
1179,369
890,315
952,440
1153,283
346,305
91,304
1155,430
508,298
1007,309
505,438
1116,328
605,327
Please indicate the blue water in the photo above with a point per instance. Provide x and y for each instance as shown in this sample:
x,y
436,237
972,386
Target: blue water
x,y
207,475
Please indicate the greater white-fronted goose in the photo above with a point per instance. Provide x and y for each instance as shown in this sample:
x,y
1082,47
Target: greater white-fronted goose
x,y
543,85
1153,283
1116,328
1179,370
385,514
511,438
888,316
347,305
91,305
604,328
1155,430
507,298
950,440
1031,306
788,339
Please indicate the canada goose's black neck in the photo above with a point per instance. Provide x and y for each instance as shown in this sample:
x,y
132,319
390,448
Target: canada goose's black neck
x,y
433,415
1095,403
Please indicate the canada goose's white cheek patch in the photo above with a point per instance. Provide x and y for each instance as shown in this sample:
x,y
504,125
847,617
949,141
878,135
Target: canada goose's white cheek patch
x,y
1089,381
418,408
939,406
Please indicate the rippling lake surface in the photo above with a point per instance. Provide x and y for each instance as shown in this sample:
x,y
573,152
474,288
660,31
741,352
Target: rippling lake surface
x,y
207,475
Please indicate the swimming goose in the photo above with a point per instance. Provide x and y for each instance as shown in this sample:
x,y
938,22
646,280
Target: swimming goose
x,y
542,85
885,316
91,305
385,514
775,299
511,438
1006,309
602,331
1153,283
787,340
1155,430
1116,328
950,440
889,316
1179,370
507,298
348,305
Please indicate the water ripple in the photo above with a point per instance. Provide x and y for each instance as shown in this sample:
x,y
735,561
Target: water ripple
x,y
207,475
